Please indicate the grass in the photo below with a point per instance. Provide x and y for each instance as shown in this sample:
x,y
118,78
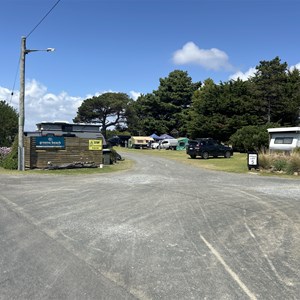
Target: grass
x,y
237,163
119,166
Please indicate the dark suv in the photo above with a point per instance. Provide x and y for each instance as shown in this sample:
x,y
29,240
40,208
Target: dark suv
x,y
206,147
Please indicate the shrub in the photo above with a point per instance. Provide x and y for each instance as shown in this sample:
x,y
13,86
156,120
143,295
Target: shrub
x,y
265,161
296,151
293,165
279,163
11,160
4,151
251,138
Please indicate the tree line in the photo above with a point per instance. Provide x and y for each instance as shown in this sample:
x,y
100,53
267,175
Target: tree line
x,y
203,109
179,106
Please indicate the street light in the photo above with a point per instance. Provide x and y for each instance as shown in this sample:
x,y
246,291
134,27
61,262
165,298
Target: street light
x,y
24,51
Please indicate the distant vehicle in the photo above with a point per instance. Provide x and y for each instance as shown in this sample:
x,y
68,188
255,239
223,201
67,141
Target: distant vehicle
x,y
155,145
139,142
167,144
206,147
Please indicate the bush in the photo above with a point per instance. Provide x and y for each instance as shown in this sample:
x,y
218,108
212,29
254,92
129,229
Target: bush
x,y
4,151
251,138
296,151
293,165
265,161
11,160
279,163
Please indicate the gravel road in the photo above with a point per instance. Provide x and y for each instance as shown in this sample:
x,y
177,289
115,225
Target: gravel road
x,y
162,230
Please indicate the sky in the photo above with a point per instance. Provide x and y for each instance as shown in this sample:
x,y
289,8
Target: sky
x,y
128,45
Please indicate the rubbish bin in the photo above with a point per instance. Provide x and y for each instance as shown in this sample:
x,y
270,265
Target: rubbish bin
x,y
106,156
252,159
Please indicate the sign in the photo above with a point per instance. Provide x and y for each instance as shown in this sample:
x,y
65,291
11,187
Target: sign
x,y
50,142
95,144
252,159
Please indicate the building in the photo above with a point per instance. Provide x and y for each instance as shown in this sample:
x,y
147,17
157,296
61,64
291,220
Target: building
x,y
284,138
67,129
58,143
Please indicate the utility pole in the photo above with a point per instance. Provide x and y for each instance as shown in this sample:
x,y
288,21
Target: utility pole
x,y
21,163
21,152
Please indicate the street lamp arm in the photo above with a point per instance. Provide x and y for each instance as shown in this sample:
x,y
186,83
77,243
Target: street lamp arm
x,y
26,51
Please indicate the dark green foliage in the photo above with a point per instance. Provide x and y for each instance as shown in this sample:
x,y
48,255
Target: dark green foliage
x,y
109,109
8,124
251,138
166,108
275,92
217,111
11,160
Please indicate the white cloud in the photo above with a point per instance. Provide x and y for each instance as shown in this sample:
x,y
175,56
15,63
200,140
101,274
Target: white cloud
x,y
243,76
211,59
251,72
40,105
297,66
134,95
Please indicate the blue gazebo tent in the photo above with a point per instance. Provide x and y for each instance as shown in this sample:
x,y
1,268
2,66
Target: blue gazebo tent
x,y
166,136
156,137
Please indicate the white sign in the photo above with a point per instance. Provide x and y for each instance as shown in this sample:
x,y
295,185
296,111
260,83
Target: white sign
x,y
252,159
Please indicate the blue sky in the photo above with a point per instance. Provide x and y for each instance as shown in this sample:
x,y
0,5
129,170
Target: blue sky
x,y
128,45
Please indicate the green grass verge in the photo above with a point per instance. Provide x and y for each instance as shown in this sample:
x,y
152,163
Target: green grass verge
x,y
237,163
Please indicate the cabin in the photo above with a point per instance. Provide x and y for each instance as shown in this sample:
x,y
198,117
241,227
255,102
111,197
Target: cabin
x,y
284,139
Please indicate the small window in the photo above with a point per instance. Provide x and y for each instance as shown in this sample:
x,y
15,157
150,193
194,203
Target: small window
x,y
283,140
67,128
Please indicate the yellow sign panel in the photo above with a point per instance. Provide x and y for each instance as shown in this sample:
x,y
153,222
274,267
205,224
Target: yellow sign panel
x,y
95,144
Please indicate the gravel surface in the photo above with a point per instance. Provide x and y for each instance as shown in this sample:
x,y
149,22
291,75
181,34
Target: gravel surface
x,y
162,230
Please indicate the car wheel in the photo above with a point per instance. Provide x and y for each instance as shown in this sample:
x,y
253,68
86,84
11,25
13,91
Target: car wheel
x,y
205,155
227,154
193,156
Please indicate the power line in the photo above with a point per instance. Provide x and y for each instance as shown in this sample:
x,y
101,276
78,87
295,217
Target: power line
x,y
42,19
13,89
38,24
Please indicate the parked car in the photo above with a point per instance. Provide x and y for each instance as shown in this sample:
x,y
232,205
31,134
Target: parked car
x,y
167,144
206,147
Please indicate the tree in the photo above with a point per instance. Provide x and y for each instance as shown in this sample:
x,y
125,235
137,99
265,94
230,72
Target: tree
x,y
165,109
8,124
269,90
108,109
148,116
292,91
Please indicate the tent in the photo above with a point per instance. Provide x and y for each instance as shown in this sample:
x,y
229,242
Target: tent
x,y
156,137
182,143
165,136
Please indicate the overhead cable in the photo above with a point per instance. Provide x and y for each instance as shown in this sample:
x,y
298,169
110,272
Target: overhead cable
x,y
42,19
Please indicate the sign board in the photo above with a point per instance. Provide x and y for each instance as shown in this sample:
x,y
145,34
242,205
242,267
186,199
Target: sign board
x,y
95,144
252,159
50,142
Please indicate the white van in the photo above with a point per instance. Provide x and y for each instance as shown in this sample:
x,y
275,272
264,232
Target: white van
x,y
168,144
